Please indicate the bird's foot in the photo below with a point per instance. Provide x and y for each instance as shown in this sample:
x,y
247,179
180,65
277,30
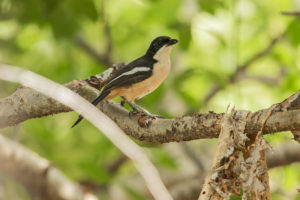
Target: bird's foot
x,y
134,112
146,119
122,103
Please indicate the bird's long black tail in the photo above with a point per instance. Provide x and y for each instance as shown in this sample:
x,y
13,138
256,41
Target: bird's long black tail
x,y
95,102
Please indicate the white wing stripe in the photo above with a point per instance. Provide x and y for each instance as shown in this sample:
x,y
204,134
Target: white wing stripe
x,y
133,71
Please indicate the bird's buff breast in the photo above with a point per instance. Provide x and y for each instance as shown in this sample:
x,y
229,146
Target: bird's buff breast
x,y
145,87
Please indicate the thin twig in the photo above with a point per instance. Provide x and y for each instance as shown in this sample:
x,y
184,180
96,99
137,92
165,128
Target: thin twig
x,y
293,13
242,68
117,164
38,175
193,157
269,113
100,58
109,42
104,58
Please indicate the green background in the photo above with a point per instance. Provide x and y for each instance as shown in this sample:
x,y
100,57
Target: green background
x,y
215,38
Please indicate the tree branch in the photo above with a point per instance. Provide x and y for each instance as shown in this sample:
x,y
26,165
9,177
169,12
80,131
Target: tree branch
x,y
41,179
27,103
239,162
284,155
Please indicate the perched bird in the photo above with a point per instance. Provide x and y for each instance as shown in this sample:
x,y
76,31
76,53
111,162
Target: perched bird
x,y
141,76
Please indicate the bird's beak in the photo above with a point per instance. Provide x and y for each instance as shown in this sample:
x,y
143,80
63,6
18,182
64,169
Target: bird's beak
x,y
172,42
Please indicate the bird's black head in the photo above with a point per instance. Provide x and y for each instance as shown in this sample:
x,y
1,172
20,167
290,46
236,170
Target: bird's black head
x,y
158,43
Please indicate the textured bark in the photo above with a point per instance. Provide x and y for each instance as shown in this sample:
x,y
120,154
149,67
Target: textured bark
x,y
27,103
239,163
41,179
223,179
188,188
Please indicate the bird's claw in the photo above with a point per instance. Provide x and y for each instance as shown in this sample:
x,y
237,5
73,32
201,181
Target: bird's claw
x,y
133,112
146,119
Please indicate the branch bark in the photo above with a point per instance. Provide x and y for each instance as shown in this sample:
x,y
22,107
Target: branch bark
x,y
27,103
41,179
239,163
188,188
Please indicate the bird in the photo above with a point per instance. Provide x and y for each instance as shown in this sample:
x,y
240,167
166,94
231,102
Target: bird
x,y
140,77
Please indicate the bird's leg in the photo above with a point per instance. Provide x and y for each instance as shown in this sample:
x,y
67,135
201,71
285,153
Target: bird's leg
x,y
150,116
123,101
136,108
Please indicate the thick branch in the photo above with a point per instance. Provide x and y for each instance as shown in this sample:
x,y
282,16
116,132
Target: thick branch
x,y
284,155
41,179
26,103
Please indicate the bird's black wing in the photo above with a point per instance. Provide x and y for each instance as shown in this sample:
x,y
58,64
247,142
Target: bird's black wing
x,y
134,72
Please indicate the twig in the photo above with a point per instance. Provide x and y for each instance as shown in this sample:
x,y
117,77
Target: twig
x,y
270,111
260,54
191,154
40,178
100,58
117,164
265,79
106,57
109,41
292,13
97,118
241,68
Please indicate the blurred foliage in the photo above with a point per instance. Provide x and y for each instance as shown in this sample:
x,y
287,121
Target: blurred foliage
x,y
215,38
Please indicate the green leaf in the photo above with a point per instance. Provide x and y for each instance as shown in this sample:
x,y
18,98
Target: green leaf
x,y
83,9
233,197
210,5
293,32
